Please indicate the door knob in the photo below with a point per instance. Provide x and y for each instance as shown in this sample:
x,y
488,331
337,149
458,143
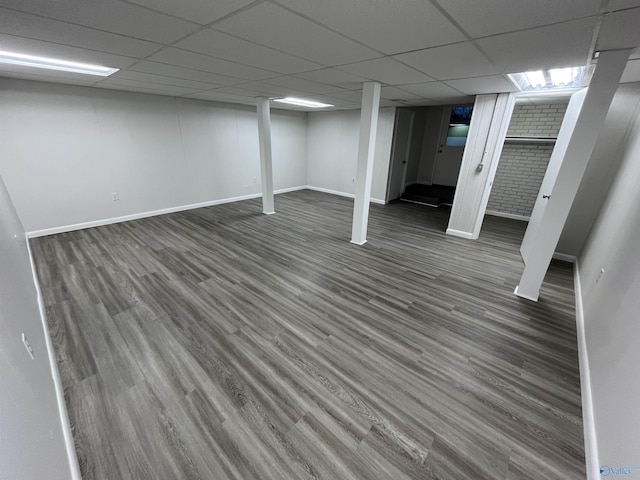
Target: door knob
x,y
546,196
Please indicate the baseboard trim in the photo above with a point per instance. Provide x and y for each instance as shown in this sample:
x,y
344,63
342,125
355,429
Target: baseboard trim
x,y
341,194
67,434
461,234
588,421
512,216
152,213
565,257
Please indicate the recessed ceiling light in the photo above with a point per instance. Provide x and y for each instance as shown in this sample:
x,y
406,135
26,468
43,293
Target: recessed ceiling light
x,y
554,78
303,103
55,64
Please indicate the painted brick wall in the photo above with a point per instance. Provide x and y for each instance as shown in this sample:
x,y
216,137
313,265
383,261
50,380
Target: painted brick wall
x,y
523,164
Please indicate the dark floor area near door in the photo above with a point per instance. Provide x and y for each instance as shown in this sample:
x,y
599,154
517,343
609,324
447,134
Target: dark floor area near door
x,y
221,343
432,195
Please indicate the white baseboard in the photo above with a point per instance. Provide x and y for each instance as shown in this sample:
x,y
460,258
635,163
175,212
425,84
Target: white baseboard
x,y
512,216
565,257
69,443
588,421
461,234
341,194
152,213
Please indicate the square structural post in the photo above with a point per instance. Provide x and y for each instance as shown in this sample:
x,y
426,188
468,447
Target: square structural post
x,y
266,169
364,169
588,125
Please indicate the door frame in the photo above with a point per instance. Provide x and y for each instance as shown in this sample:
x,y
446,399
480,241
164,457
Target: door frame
x,y
393,151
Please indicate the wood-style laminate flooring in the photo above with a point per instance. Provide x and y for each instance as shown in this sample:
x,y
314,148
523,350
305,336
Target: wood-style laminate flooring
x,y
221,343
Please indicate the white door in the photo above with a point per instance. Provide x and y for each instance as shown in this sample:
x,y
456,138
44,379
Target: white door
x,y
400,153
555,162
450,149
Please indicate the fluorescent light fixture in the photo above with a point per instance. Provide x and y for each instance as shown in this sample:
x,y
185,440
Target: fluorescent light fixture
x,y
536,79
302,103
55,64
570,77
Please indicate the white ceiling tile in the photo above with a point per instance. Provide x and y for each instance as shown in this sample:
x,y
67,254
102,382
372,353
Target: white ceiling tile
x,y
388,26
386,70
239,91
275,27
186,73
43,78
621,4
333,76
196,61
631,72
199,11
620,30
212,96
300,86
482,85
222,45
31,26
354,97
265,89
395,93
162,80
490,17
432,90
556,46
460,60
110,15
145,89
146,86
62,52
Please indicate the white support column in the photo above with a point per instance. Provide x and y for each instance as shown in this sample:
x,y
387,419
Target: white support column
x,y
266,170
489,124
364,172
603,86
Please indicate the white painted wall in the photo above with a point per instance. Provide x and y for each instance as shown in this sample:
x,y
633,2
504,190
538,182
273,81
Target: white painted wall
x,y
65,149
332,150
601,170
611,304
32,444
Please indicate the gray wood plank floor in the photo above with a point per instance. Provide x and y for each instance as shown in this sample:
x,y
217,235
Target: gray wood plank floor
x,y
221,343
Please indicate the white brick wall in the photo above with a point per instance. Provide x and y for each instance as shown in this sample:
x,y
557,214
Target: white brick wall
x,y
523,164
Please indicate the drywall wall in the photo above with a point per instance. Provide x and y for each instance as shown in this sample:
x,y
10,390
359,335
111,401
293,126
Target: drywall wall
x,y
332,149
601,170
610,284
523,164
32,444
65,149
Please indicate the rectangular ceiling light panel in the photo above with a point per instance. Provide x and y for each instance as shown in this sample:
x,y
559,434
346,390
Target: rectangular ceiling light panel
x,y
302,102
55,64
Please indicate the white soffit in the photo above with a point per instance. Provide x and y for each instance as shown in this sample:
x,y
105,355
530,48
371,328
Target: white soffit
x,y
451,61
390,26
263,24
489,17
554,46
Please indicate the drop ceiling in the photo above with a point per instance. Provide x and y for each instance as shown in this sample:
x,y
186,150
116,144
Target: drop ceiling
x,y
424,52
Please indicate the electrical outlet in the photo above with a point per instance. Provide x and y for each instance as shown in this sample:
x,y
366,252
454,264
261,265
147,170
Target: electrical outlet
x,y
353,180
600,275
114,196
27,345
